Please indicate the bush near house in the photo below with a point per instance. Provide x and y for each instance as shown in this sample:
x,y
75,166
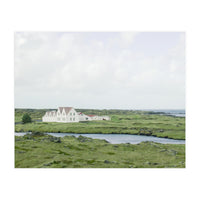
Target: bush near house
x,y
26,118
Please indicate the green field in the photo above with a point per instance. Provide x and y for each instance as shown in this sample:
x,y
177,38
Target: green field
x,y
45,151
122,122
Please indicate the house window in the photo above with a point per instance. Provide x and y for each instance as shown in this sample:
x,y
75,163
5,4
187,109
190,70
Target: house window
x,y
74,113
70,119
74,119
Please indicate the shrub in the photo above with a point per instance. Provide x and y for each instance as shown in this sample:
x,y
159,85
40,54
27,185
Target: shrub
x,y
26,118
35,133
83,139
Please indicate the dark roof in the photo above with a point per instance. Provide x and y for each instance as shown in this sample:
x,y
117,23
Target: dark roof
x,y
67,109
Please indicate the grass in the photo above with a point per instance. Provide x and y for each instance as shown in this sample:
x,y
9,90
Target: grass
x,y
45,151
122,122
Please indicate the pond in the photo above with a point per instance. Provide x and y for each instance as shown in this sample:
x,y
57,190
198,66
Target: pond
x,y
118,138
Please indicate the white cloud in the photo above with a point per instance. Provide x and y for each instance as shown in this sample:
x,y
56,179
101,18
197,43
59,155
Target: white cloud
x,y
54,69
128,37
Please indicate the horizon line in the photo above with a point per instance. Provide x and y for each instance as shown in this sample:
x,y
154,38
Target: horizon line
x,y
112,108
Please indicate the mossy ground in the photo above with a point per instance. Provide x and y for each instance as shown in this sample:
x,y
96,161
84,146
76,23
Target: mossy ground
x,y
45,151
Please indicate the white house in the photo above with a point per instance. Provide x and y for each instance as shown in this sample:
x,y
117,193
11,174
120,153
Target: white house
x,y
50,116
69,114
63,114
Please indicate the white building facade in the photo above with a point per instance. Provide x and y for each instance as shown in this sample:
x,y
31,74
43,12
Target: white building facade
x,y
69,114
63,114
83,117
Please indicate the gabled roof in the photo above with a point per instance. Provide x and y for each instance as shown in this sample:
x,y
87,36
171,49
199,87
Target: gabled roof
x,y
67,109
53,112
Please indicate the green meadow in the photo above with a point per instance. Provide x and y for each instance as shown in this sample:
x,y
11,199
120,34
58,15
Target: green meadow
x,y
45,151
38,150
122,122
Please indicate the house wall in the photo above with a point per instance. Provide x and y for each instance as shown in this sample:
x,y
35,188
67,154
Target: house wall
x,y
50,117
72,116
83,117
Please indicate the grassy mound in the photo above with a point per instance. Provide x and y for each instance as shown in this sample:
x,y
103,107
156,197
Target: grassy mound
x,y
42,151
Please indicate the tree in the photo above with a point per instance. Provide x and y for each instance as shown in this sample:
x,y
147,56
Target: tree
x,y
26,118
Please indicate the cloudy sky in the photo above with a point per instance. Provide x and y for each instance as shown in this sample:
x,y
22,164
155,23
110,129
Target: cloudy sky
x,y
119,70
